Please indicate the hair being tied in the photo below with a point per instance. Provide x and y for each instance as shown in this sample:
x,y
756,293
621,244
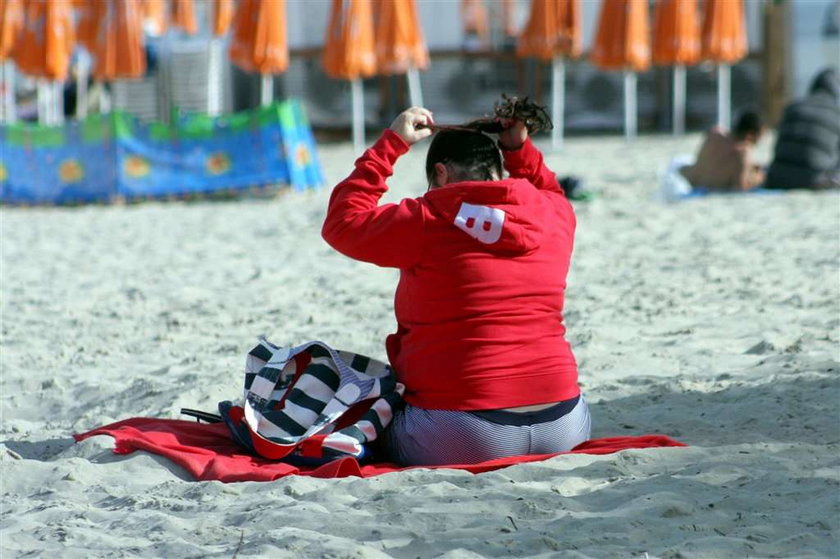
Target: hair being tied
x,y
471,155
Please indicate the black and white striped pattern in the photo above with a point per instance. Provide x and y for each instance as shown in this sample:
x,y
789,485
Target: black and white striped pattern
x,y
331,383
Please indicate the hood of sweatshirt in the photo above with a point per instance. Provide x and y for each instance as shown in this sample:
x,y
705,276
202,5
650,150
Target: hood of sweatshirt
x,y
827,82
506,217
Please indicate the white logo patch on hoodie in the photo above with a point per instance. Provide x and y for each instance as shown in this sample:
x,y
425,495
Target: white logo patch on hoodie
x,y
482,223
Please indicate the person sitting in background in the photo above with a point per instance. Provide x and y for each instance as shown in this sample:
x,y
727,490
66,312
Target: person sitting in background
x,y
724,162
807,152
480,343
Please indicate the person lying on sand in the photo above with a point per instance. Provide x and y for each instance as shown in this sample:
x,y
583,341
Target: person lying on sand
x,y
724,162
483,260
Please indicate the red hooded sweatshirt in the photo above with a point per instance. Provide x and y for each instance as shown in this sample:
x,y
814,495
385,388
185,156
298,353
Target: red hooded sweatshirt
x,y
483,268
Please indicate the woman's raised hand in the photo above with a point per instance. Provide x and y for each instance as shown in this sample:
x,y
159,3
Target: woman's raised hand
x,y
514,134
412,125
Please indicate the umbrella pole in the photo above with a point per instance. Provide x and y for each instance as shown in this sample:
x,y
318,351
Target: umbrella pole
x,y
724,101
49,103
49,107
82,73
43,103
415,92
214,78
558,101
358,100
104,98
58,103
679,100
266,89
630,117
9,115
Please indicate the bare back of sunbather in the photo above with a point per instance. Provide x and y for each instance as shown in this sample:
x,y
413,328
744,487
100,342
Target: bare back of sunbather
x,y
724,163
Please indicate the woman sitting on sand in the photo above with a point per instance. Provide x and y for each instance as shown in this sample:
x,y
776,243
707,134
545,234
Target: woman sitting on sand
x,y
483,261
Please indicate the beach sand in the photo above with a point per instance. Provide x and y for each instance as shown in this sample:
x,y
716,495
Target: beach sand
x,y
715,321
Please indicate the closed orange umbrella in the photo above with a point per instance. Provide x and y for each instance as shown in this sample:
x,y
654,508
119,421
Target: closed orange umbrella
x,y
244,21
475,23
623,38
44,49
724,37
509,19
154,14
400,48
553,29
676,33
623,43
88,15
11,23
399,41
349,54
259,41
182,15
676,42
46,41
222,16
119,51
348,50
552,33
724,41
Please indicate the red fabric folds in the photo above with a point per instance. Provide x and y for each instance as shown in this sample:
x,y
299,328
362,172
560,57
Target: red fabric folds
x,y
208,453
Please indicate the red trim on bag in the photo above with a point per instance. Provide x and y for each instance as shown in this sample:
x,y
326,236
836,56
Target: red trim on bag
x,y
269,449
313,447
237,414
353,414
302,361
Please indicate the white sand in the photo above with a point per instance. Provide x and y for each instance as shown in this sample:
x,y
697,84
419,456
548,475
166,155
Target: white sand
x,y
715,321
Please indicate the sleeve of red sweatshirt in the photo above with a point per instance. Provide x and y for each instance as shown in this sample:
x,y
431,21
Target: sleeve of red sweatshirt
x,y
357,226
527,163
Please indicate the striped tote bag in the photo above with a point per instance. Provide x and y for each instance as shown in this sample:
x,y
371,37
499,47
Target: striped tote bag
x,y
311,404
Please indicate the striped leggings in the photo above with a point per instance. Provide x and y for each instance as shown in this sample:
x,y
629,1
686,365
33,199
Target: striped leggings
x,y
423,437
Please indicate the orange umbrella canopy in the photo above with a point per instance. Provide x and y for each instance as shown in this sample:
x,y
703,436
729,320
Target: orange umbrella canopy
x,y
154,12
348,48
11,22
553,29
399,41
222,16
183,15
676,32
474,18
259,37
119,51
46,41
623,38
88,15
509,18
724,38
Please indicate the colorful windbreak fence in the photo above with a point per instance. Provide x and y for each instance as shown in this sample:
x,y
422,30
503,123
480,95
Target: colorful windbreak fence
x,y
114,156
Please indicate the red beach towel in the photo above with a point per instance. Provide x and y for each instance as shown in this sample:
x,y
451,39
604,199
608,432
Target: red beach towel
x,y
208,453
